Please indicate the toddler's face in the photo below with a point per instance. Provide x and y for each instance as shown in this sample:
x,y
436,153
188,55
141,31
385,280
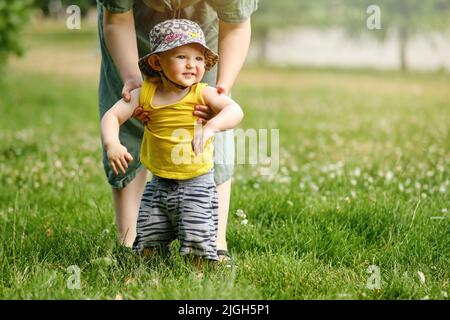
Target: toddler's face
x,y
184,65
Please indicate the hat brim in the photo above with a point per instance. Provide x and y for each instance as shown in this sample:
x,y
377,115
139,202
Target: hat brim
x,y
211,59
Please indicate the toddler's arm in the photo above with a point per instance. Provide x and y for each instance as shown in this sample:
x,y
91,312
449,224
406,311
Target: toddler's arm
x,y
121,111
228,115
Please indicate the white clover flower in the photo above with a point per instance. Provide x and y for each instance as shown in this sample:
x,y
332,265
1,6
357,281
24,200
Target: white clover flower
x,y
244,222
401,187
443,188
444,210
389,176
353,182
421,277
240,213
353,194
314,186
58,164
417,185
302,185
357,172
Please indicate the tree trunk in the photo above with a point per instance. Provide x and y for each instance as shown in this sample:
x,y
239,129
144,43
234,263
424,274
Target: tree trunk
x,y
403,42
263,52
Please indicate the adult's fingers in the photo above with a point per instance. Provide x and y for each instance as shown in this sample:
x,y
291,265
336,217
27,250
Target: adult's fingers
x,y
128,157
126,93
221,89
119,165
124,163
113,167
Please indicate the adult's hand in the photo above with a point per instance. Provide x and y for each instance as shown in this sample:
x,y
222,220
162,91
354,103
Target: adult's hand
x,y
205,113
141,115
128,86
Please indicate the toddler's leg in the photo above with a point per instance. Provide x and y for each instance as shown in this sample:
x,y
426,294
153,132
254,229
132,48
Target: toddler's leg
x,y
197,223
154,231
126,203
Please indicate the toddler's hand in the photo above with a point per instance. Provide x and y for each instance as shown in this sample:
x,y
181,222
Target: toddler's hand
x,y
118,157
201,136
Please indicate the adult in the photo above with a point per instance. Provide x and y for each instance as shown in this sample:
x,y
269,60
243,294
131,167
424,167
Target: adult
x,y
123,27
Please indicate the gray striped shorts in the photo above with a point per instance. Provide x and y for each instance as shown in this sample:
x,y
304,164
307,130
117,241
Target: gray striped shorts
x,y
179,209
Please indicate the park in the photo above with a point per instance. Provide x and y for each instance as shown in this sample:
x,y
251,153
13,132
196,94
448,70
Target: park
x,y
352,204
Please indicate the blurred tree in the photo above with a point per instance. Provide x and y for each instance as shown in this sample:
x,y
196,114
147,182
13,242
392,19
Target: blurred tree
x,y
405,17
47,5
13,15
272,14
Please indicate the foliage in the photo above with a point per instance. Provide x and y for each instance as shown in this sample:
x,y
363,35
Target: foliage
x,y
13,15
83,4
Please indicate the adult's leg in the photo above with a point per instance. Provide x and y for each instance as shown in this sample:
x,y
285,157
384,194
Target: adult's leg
x,y
126,202
223,171
223,191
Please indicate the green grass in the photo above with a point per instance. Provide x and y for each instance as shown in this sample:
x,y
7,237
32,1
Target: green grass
x,y
363,180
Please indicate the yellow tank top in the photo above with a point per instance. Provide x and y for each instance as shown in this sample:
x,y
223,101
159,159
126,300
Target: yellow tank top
x,y
166,148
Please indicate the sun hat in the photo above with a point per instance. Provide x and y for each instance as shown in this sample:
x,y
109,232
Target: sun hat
x,y
175,33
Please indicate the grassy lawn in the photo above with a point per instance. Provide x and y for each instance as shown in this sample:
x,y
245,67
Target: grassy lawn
x,y
363,181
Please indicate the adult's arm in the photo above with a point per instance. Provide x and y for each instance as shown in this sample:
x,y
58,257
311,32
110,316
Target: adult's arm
x,y
234,41
120,39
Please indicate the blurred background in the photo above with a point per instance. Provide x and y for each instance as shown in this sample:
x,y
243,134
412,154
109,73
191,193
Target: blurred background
x,y
359,90
383,34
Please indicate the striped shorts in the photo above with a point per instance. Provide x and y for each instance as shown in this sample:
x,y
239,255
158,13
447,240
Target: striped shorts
x,y
179,209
